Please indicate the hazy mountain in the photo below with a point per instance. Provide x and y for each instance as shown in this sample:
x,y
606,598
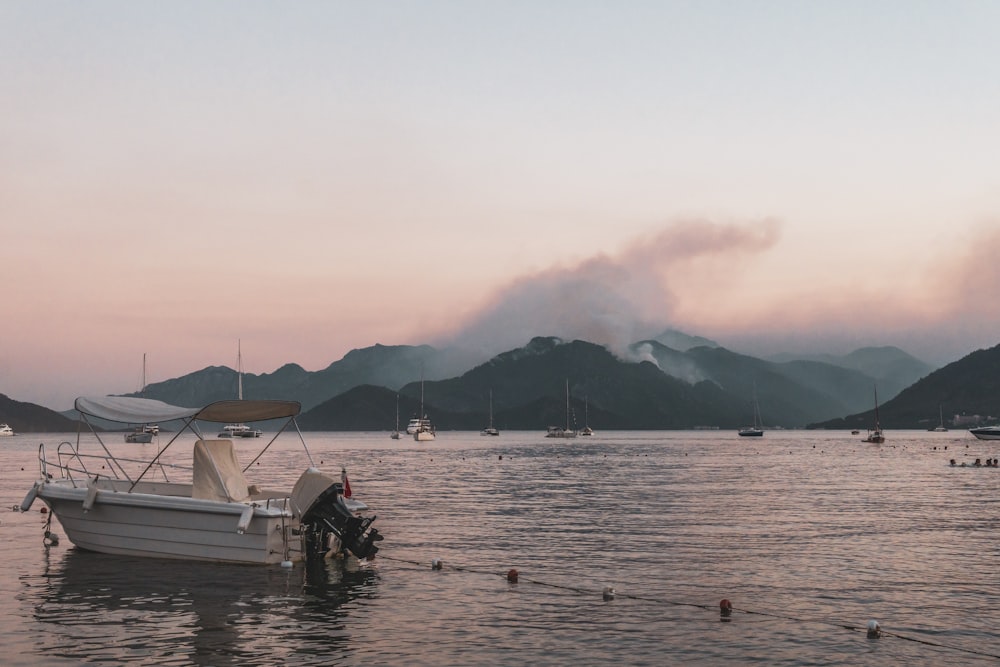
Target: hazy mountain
x,y
969,386
383,365
682,342
789,394
658,386
31,418
892,369
529,392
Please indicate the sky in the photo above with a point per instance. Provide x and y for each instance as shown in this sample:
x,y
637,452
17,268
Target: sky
x,y
313,177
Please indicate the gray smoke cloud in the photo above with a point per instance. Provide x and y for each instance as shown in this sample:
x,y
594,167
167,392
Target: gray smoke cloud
x,y
612,300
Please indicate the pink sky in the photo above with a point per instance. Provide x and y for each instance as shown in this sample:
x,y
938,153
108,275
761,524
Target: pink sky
x,y
319,177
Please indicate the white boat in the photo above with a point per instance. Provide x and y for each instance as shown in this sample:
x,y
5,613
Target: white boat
x,y
875,434
425,433
143,434
586,430
755,431
557,431
239,430
207,511
490,430
986,432
6,430
940,428
424,430
139,435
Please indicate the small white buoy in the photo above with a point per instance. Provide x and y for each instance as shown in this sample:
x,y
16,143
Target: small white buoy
x,y
286,564
874,630
609,593
436,564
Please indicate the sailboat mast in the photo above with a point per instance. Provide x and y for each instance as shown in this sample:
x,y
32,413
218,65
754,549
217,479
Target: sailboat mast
x,y
878,424
567,404
239,369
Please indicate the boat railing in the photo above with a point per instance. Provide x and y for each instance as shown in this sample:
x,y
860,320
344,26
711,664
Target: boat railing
x,y
71,464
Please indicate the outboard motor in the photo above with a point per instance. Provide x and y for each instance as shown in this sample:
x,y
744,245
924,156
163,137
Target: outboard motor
x,y
318,500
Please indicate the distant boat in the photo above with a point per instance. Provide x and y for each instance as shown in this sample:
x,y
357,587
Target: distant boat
x,y
986,432
586,430
754,431
395,433
414,424
139,436
143,434
940,428
424,430
556,431
875,434
6,430
239,430
490,430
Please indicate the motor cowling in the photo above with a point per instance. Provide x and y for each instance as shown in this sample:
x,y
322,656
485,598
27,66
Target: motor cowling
x,y
318,501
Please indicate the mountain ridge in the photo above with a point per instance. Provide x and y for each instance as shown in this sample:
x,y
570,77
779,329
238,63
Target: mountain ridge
x,y
651,386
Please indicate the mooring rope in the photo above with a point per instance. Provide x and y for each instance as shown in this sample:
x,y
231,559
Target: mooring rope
x,y
439,565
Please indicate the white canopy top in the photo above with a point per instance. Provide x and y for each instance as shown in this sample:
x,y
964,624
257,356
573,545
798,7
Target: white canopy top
x,y
126,409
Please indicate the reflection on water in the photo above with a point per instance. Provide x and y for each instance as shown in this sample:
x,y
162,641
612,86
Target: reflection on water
x,y
192,613
813,532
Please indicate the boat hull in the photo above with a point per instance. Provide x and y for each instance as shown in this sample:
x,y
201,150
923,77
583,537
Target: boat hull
x,y
986,432
177,527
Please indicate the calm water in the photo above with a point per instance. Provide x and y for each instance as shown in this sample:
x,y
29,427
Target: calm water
x,y
809,534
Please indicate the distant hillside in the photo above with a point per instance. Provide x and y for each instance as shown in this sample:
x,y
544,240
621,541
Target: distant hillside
x,y
890,367
969,386
31,418
656,386
678,340
529,386
789,394
383,365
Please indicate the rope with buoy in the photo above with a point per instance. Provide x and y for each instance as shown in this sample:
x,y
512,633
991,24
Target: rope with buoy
x,y
726,609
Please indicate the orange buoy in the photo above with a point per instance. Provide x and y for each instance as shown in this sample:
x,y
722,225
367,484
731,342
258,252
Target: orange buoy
x,y
512,576
725,607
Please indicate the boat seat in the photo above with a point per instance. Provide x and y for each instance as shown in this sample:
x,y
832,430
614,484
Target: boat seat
x,y
217,474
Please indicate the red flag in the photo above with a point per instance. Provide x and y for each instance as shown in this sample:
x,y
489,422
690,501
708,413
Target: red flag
x,y
346,483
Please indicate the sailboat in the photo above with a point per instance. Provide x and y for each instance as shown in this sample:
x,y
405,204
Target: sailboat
x,y
490,430
586,430
239,430
143,434
557,432
940,428
875,434
424,430
755,431
395,433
